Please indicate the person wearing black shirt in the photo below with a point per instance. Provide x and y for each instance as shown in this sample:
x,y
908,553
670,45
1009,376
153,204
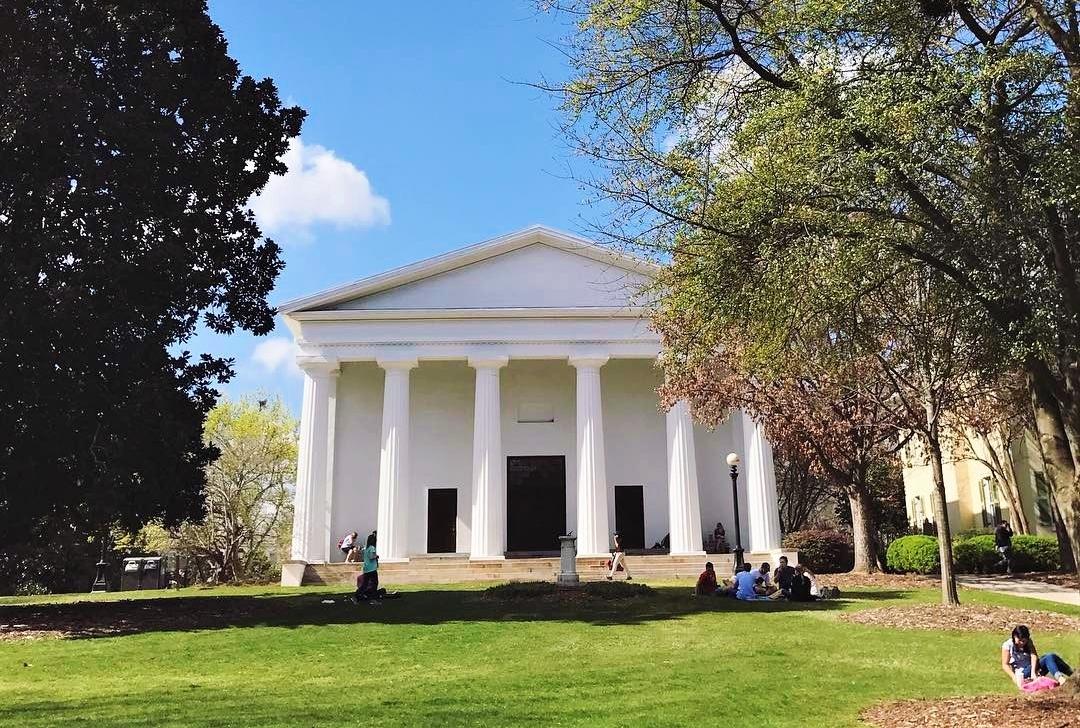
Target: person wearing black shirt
x,y
783,576
1003,541
800,587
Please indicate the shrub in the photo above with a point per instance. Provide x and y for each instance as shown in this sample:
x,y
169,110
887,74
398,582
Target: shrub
x,y
822,550
918,554
1036,553
975,554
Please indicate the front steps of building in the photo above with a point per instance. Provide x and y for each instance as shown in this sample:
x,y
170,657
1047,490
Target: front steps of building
x,y
458,568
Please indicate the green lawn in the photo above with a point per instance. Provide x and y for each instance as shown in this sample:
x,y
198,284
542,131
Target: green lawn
x,y
445,655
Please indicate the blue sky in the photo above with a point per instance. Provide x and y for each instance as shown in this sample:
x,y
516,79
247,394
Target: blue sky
x,y
419,139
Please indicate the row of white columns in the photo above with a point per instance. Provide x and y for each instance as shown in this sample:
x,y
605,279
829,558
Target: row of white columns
x,y
311,529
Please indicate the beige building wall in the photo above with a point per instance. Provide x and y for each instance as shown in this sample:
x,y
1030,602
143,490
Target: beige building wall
x,y
973,499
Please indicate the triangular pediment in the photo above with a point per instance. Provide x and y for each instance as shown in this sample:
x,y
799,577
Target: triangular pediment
x,y
536,268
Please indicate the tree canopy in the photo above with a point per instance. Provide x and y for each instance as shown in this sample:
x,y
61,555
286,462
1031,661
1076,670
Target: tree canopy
x,y
791,159
130,144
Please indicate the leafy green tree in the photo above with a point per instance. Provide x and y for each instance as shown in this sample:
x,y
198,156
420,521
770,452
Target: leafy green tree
x,y
248,490
130,144
786,157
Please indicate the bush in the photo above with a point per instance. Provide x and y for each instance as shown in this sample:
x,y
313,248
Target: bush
x,y
918,554
822,550
1036,553
975,554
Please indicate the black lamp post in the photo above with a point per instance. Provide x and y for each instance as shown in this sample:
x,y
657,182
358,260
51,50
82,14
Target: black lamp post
x,y
733,461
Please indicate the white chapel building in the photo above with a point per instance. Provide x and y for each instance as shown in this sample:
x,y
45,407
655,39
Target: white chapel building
x,y
483,402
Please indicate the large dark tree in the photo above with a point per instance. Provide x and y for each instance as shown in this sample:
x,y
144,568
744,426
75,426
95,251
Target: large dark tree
x,y
130,144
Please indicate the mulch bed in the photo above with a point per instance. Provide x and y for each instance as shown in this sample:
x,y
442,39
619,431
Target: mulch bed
x,y
880,581
965,618
546,591
1052,709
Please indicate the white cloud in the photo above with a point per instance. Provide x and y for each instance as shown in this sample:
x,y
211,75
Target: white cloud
x,y
277,352
319,187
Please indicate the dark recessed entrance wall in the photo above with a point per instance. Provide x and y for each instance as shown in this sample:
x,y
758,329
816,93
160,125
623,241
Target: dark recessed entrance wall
x,y
535,502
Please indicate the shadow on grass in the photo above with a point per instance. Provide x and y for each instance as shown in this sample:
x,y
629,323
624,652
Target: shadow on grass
x,y
432,606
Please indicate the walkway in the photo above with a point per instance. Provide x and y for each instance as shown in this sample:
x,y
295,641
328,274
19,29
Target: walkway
x,y
1021,588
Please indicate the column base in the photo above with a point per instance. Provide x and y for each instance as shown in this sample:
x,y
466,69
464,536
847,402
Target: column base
x,y
486,558
604,555
292,573
393,559
687,553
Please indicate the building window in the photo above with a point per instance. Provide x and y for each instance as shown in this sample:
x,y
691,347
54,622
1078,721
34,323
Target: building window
x,y
1042,500
991,511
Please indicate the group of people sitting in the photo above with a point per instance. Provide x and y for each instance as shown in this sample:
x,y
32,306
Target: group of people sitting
x,y
794,583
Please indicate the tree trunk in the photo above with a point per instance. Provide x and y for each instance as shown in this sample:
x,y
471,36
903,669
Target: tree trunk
x,y
1004,464
863,531
949,596
1065,551
1056,451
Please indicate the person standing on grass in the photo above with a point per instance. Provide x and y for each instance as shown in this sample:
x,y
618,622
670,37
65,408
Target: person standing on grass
x,y
1021,662
618,556
1003,542
368,588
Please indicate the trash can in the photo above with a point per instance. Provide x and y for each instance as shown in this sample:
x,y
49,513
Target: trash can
x,y
151,573
129,580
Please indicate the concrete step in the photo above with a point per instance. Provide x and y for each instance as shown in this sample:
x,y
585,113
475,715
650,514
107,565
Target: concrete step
x,y
458,568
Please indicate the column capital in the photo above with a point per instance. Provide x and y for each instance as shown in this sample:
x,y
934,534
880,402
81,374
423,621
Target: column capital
x,y
488,362
315,366
400,364
588,362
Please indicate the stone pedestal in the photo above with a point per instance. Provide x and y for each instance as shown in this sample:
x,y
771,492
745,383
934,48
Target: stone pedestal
x,y
292,573
568,575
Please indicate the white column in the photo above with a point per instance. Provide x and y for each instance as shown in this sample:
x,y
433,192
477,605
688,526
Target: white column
x,y
394,463
315,463
592,507
763,513
684,508
488,539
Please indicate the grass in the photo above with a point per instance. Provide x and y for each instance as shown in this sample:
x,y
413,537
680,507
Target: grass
x,y
447,655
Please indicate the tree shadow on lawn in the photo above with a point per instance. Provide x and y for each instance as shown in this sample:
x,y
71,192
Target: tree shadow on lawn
x,y
430,606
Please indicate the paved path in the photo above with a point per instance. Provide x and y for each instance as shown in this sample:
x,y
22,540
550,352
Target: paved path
x,y
1021,588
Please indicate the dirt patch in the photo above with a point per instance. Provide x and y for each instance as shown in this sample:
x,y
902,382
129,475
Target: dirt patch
x,y
880,581
1053,709
965,618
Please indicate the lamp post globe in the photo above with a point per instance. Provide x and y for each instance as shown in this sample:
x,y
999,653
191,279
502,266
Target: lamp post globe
x,y
733,460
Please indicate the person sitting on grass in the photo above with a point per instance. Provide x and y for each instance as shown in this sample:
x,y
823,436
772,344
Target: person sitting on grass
x,y
706,581
782,577
763,586
744,584
1021,662
800,586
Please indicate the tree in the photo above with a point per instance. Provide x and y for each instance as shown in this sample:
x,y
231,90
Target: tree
x,y
989,424
800,491
763,146
130,146
248,488
835,421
